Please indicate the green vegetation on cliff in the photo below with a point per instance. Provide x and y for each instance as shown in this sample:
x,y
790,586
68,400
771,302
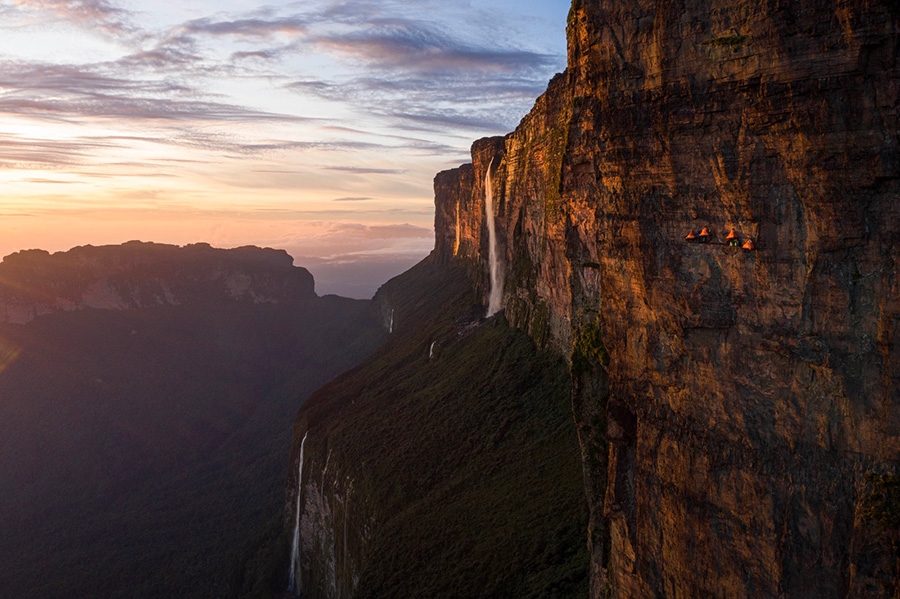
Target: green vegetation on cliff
x,y
465,464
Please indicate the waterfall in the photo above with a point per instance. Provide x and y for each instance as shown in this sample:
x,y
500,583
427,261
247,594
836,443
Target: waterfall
x,y
391,327
431,350
496,295
294,585
456,242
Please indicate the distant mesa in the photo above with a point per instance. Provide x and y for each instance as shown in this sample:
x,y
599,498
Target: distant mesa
x,y
141,275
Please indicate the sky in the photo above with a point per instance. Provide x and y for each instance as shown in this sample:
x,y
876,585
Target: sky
x,y
314,126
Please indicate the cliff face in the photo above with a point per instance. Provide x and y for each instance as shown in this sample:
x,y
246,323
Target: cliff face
x,y
140,275
738,411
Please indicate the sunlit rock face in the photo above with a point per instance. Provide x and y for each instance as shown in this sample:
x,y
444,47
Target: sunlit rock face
x,y
140,275
738,410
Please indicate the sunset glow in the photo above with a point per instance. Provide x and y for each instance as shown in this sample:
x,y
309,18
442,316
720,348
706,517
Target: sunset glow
x,y
316,127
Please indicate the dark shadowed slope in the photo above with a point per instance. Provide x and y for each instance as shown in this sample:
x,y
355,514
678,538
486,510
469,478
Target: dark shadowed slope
x,y
445,465
141,447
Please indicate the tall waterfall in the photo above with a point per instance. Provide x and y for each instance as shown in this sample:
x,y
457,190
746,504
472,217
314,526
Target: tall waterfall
x,y
294,585
496,294
456,242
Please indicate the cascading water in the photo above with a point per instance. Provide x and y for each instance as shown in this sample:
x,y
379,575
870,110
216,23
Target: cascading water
x,y
496,294
431,350
456,242
294,585
391,326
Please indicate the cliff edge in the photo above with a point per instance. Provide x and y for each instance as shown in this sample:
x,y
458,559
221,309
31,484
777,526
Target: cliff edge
x,y
139,275
736,404
738,410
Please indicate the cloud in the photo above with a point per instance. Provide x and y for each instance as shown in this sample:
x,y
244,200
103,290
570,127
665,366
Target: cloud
x,y
325,145
345,241
354,260
178,52
91,14
359,278
419,47
135,108
399,231
420,78
66,92
30,153
408,71
19,78
51,181
269,54
422,74
426,120
250,27
465,102
420,144
220,88
359,170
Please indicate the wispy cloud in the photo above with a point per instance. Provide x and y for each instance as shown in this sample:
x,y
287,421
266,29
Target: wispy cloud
x,y
419,47
420,77
68,93
48,181
30,153
332,108
359,170
342,240
354,260
94,14
407,71
249,27
266,54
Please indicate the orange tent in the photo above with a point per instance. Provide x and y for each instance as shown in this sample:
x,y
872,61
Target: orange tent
x,y
704,232
731,235
749,245
690,236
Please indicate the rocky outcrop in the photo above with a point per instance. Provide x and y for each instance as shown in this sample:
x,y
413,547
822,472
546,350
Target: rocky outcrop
x,y
139,275
738,411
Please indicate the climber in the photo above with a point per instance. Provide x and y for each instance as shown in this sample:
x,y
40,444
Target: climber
x,y
690,236
704,235
732,239
748,245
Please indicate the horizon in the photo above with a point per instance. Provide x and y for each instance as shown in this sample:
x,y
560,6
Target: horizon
x,y
313,127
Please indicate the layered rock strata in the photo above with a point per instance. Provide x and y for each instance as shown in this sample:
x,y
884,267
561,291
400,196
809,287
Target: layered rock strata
x,y
140,275
738,411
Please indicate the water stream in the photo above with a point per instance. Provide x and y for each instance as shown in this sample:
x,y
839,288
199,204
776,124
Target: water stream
x,y
294,584
496,294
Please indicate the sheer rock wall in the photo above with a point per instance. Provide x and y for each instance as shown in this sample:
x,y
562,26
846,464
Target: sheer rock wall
x,y
738,410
